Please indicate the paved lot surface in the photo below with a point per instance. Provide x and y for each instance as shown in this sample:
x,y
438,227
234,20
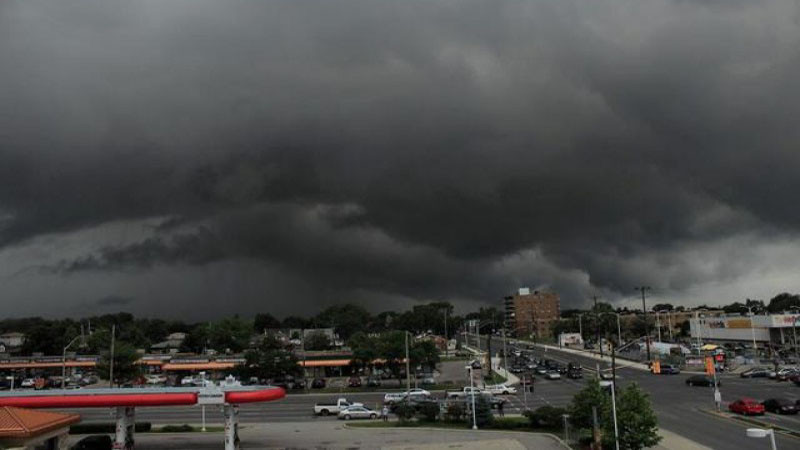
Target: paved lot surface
x,y
334,435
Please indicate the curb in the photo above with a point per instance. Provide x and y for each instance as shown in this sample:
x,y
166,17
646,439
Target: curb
x,y
752,421
550,435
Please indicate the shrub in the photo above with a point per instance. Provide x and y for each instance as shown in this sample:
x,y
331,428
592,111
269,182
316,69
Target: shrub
x,y
101,428
428,411
177,428
404,411
483,412
545,416
454,413
508,423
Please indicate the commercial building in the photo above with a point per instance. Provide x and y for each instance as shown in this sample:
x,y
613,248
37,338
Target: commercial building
x,y
773,329
531,313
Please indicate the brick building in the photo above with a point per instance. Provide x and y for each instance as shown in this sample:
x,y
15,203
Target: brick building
x,y
531,312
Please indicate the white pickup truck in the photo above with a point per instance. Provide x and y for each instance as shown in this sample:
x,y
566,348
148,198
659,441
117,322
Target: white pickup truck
x,y
324,409
467,391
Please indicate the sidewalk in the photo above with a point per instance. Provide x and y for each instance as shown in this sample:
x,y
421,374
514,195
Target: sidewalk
x,y
674,441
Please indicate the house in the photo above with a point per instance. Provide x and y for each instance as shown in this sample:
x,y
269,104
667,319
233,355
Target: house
x,y
12,339
22,428
171,345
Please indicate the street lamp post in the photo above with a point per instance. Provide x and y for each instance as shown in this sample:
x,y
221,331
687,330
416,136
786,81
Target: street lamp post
x,y
752,329
472,394
643,290
64,362
794,329
759,433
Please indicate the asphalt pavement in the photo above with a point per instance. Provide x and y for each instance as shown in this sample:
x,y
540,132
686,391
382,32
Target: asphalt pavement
x,y
684,410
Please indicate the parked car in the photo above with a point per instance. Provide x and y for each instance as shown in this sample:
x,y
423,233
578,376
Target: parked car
x,y
553,375
357,412
541,370
669,369
756,372
780,406
96,442
393,398
606,375
27,383
467,391
318,383
786,373
475,364
324,409
574,373
747,407
701,380
354,382
501,389
517,369
155,379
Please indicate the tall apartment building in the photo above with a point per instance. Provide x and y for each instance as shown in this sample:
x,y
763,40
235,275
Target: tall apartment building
x,y
531,312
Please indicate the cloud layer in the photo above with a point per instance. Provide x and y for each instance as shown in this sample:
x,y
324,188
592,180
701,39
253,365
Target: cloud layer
x,y
393,152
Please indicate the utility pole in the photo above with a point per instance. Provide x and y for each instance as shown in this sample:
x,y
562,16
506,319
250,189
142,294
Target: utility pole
x,y
446,339
408,370
658,325
614,395
505,352
643,290
597,326
111,365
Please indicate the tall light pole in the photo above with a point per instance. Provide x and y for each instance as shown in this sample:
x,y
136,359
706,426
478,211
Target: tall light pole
x,y
658,325
472,393
752,328
597,326
408,369
643,290
446,339
111,365
64,362
794,329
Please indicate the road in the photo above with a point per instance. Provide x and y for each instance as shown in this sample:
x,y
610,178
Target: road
x,y
685,410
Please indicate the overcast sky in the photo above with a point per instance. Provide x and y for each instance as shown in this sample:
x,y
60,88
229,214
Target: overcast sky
x,y
197,158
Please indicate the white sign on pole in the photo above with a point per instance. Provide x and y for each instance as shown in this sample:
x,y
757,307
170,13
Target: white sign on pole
x,y
210,397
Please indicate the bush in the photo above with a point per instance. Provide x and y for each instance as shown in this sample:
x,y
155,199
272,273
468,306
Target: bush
x,y
508,423
483,412
177,428
455,412
107,428
428,411
404,411
545,417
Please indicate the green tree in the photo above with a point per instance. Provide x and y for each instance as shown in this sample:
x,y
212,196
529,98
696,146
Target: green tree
x,y
423,352
317,340
230,334
783,302
269,360
265,322
636,421
125,367
197,339
364,349
580,410
344,319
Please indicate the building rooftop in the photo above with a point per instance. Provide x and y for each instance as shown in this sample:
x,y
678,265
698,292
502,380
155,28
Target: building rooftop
x,y
18,423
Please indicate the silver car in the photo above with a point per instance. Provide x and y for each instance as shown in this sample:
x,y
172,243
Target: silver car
x,y
357,412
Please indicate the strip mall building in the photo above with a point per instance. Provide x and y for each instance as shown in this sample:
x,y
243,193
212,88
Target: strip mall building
x,y
774,329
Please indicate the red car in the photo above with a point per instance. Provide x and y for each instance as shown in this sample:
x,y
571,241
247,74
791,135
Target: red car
x,y
747,406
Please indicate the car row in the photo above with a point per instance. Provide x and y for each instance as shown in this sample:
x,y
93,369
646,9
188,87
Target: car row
x,y
750,407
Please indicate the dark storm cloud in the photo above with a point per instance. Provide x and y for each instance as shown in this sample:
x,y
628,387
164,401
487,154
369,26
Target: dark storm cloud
x,y
113,301
406,148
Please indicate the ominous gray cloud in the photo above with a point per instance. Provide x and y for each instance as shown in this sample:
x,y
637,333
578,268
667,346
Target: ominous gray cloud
x,y
397,151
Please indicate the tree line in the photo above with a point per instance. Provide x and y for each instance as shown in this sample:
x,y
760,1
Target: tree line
x,y
234,334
